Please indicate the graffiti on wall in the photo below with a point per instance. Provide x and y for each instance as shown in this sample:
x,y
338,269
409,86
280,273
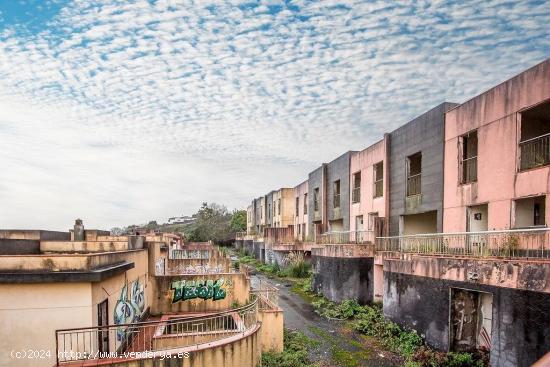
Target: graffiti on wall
x,y
184,290
159,266
129,307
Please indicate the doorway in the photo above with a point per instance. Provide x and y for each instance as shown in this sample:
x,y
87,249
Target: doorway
x,y
103,320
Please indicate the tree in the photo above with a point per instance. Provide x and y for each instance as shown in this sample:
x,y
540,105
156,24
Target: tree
x,y
238,221
212,224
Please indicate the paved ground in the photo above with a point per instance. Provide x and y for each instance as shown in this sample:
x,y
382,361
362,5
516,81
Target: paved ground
x,y
336,343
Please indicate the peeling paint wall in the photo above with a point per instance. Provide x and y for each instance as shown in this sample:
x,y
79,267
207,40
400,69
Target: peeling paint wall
x,y
495,115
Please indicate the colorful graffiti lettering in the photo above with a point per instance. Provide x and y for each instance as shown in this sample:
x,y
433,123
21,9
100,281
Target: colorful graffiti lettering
x,y
205,289
129,309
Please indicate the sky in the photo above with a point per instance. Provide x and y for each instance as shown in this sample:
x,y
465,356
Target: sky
x,y
121,112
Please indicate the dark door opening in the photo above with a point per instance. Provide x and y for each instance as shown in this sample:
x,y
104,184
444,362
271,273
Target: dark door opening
x,y
103,320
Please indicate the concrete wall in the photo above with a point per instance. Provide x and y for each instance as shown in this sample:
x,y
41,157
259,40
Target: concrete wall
x,y
234,287
315,180
285,217
363,162
520,319
495,115
271,330
31,313
241,350
417,295
344,272
339,169
423,134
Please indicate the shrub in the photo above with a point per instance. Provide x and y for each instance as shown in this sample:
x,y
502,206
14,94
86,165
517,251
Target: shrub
x,y
294,354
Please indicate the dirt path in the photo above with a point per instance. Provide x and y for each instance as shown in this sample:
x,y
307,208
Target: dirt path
x,y
336,344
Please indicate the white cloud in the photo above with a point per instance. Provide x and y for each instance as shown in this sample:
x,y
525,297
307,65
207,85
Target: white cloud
x,y
126,112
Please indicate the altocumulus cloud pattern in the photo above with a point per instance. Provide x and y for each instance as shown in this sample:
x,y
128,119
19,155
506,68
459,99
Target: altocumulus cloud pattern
x,y
125,111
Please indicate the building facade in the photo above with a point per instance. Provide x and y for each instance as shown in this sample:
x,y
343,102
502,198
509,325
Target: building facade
x,y
497,156
416,174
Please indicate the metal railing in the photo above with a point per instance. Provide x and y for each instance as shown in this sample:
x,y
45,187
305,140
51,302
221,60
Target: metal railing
x,y
356,195
469,170
515,243
143,339
240,235
535,152
343,237
268,296
181,269
414,184
177,254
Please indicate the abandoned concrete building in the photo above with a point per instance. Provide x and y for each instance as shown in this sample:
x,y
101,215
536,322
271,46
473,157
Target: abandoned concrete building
x,y
444,221
87,298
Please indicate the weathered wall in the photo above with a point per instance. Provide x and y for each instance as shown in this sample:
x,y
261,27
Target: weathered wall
x,y
237,351
423,134
302,218
19,247
315,180
271,330
269,209
364,162
495,116
30,314
340,278
339,169
180,294
521,319
258,248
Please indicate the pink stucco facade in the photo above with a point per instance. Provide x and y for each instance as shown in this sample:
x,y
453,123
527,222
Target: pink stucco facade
x,y
301,230
494,117
368,205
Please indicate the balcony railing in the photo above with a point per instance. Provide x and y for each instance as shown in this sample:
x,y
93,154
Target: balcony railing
x,y
336,201
414,184
240,235
469,170
515,243
356,195
189,254
343,237
535,152
378,188
153,338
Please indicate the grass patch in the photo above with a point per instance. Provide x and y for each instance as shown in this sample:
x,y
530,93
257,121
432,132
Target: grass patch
x,y
295,352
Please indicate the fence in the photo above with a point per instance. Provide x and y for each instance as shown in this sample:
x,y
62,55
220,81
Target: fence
x,y
414,185
341,237
268,295
522,243
535,152
144,339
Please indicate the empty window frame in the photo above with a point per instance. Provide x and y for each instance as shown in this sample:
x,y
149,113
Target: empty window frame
x,y
414,174
534,145
468,159
336,196
378,171
305,203
356,193
297,206
316,199
530,212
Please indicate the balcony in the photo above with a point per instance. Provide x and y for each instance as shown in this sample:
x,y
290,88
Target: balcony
x,y
524,243
414,185
155,338
469,170
535,152
336,201
378,188
343,237
356,195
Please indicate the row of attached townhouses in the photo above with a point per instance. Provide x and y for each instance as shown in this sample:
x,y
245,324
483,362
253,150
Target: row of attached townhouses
x,y
87,298
443,220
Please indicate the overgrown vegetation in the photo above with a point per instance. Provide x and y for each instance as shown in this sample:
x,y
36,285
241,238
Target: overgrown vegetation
x,y
295,265
369,320
295,353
